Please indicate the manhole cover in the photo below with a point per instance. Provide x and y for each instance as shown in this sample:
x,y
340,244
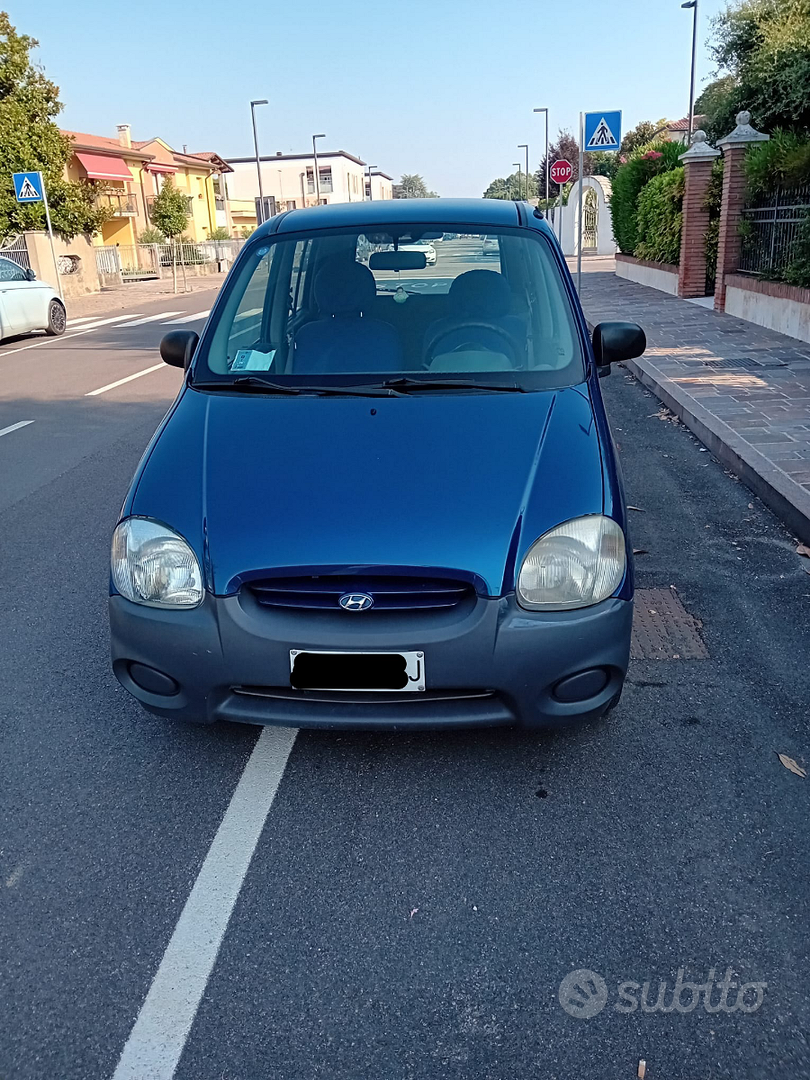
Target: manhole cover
x,y
746,363
663,629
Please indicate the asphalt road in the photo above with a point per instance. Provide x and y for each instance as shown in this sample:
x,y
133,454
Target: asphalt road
x,y
413,902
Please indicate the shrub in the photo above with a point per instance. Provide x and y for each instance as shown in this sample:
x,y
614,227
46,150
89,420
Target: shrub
x,y
714,196
797,272
640,167
659,218
783,161
151,235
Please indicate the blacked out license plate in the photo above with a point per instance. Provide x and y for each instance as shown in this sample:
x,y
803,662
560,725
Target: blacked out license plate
x,y
395,672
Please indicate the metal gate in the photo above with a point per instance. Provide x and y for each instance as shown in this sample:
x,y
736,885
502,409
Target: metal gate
x,y
590,222
15,248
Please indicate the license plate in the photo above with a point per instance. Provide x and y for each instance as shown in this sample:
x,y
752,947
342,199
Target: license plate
x,y
393,672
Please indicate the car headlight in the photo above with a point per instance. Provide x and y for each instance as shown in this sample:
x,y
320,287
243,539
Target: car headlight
x,y
573,565
152,565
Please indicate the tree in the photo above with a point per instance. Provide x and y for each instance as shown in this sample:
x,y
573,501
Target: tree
x,y
412,186
511,187
762,50
170,210
170,215
643,133
219,233
30,140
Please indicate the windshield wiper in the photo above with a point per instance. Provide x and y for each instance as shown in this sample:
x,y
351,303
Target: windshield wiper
x,y
406,385
247,382
255,383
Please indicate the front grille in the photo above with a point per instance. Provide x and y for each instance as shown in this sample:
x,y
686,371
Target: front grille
x,y
322,592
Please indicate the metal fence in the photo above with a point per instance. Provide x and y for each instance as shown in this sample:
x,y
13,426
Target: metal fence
x,y
138,262
16,249
770,231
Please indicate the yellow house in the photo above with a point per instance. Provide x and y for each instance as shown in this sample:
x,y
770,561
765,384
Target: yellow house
x,y
130,174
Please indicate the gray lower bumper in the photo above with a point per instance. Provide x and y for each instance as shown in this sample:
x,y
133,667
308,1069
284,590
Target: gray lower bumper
x,y
495,664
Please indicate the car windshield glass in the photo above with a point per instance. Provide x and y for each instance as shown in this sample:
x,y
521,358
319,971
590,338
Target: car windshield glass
x,y
316,308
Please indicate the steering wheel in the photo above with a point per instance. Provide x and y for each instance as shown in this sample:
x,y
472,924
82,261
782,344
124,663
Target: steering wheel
x,y
479,324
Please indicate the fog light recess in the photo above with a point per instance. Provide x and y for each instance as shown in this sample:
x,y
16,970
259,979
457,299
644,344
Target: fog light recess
x,y
153,681
580,687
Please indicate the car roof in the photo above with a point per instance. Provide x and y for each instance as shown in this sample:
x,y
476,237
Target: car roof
x,y
382,212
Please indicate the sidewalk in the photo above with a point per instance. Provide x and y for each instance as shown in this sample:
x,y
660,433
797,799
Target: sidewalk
x,y
742,389
124,297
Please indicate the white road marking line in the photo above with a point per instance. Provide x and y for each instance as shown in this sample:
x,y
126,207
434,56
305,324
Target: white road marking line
x,y
247,314
15,427
120,382
45,341
107,322
189,318
157,1040
84,319
149,318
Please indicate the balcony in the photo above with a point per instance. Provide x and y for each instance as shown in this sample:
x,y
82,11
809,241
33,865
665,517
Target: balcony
x,y
122,204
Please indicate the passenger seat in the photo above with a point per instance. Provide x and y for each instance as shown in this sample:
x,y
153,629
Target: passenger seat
x,y
344,339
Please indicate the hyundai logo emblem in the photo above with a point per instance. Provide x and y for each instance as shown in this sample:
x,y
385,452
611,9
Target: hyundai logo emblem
x,y
356,601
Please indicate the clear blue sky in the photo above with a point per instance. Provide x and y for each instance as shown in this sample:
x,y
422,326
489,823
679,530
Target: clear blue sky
x,y
444,88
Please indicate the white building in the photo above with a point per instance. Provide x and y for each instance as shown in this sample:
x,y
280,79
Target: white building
x,y
288,180
379,185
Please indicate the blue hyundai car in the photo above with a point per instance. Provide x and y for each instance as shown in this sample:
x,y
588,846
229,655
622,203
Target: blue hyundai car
x,y
386,495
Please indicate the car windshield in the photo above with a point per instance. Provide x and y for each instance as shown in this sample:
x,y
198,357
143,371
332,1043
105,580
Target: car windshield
x,y
343,307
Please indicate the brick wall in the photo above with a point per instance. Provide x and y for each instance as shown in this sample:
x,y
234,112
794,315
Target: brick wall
x,y
692,268
728,248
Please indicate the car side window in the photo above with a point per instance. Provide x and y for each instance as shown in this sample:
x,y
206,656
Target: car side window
x,y
298,278
9,271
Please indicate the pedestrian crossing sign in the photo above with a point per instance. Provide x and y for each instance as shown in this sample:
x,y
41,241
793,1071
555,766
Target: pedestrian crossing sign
x,y
603,130
28,186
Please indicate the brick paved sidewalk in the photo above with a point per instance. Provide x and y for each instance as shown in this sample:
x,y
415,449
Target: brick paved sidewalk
x,y
742,389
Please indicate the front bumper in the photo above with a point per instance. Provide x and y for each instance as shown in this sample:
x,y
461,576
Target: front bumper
x,y
493,664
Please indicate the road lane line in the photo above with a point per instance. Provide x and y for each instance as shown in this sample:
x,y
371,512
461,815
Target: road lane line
x,y
189,318
15,427
46,341
83,319
120,382
159,1035
149,318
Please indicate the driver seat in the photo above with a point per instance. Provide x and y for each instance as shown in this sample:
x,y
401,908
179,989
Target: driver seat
x,y
477,296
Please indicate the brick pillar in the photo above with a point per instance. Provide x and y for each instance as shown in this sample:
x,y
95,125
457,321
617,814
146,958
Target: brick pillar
x,y
697,162
734,148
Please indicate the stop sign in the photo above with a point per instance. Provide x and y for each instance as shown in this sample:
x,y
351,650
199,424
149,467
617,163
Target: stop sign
x,y
561,171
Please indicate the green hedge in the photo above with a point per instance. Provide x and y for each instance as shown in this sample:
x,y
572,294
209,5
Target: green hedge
x,y
639,168
659,217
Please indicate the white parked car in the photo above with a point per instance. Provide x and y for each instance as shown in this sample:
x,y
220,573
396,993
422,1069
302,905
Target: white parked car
x,y
27,304
423,246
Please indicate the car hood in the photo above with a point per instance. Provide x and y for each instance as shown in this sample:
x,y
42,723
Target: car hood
x,y
459,482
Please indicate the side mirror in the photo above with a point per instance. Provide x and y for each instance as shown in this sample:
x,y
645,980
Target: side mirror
x,y
177,348
30,275
615,341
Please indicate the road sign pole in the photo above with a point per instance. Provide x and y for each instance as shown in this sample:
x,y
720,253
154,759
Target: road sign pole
x,y
50,237
579,222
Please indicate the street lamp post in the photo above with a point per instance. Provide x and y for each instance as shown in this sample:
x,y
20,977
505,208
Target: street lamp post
x,y
370,192
693,4
317,177
253,105
525,146
520,181
547,158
